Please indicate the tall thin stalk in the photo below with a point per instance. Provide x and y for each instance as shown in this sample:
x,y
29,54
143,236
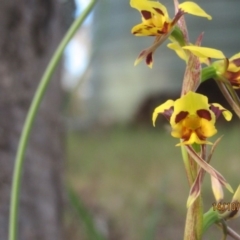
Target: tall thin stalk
x,y
31,115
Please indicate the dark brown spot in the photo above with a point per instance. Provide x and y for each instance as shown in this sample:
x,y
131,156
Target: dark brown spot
x,y
136,32
159,11
168,113
200,134
149,58
160,32
233,213
232,76
180,116
216,110
165,27
146,14
236,62
202,113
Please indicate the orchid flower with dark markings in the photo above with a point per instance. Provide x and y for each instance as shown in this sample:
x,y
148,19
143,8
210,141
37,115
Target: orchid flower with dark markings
x,y
230,69
192,118
156,22
227,68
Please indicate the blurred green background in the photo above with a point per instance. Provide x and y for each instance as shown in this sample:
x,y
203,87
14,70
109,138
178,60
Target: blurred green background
x,y
133,183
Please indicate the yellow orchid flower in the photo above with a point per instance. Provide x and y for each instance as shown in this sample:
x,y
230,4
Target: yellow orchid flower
x,y
191,117
228,210
156,22
228,68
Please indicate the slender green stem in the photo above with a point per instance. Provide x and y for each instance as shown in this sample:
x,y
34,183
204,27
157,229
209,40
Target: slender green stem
x,y
208,73
209,218
45,80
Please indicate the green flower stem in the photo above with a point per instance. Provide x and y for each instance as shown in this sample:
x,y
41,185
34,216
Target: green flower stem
x,y
45,80
187,165
208,73
209,218
178,36
213,217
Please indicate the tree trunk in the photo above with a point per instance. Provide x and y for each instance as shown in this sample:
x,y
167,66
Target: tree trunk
x,y
30,31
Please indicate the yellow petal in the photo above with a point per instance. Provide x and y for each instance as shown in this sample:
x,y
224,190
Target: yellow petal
x,y
235,56
143,29
160,109
205,52
191,102
178,49
194,9
193,139
208,129
217,189
236,196
226,114
150,6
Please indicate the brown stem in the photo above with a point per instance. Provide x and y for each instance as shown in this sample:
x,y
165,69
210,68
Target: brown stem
x,y
230,232
229,98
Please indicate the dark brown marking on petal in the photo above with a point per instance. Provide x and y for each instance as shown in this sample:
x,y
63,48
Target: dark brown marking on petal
x,y
217,111
186,134
165,27
236,62
232,76
149,59
136,32
160,32
168,113
233,213
146,14
203,113
200,134
180,116
159,11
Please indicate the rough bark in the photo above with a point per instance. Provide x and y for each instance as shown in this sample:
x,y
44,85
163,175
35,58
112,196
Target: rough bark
x,y
30,31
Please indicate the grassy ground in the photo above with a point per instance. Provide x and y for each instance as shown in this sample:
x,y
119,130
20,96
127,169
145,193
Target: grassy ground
x,y
133,181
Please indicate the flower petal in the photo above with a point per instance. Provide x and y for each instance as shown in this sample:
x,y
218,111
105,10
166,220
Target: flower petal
x,y
196,188
235,205
193,139
219,109
161,109
217,189
178,49
194,9
145,53
151,6
208,168
208,129
236,196
143,29
191,102
205,52
236,56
